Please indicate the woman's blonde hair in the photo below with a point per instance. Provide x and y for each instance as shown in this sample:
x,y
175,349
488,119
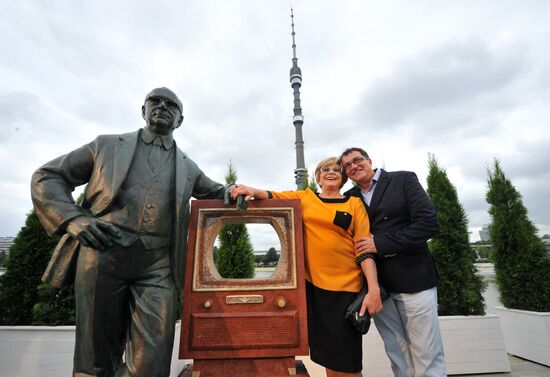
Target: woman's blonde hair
x,y
331,161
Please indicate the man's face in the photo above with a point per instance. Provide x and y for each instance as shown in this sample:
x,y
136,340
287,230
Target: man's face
x,y
162,114
358,168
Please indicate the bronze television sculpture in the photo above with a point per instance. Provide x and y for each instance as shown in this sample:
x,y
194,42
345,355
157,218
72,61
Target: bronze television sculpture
x,y
246,327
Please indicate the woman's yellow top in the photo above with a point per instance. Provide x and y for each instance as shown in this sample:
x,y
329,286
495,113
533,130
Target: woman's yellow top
x,y
331,227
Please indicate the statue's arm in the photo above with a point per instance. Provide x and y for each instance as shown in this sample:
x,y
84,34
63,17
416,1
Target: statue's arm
x,y
53,183
206,188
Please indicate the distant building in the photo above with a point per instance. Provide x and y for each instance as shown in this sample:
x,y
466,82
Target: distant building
x,y
264,252
484,233
5,244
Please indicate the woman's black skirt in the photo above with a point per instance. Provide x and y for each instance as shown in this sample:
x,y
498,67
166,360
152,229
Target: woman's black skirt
x,y
333,342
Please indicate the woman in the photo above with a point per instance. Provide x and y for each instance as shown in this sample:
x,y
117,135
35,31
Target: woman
x,y
332,224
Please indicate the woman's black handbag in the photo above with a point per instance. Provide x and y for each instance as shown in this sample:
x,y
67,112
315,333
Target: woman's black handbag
x,y
362,323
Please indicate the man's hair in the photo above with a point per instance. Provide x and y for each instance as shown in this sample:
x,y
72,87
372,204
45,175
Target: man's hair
x,y
353,149
329,162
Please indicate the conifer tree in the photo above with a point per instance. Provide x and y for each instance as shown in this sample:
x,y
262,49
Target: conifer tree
x,y
313,184
304,183
522,265
271,256
28,258
460,288
235,255
55,306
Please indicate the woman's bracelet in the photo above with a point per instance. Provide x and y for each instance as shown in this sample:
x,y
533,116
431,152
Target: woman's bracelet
x,y
364,256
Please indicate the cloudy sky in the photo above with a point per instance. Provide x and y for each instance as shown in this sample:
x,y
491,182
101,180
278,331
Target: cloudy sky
x,y
466,80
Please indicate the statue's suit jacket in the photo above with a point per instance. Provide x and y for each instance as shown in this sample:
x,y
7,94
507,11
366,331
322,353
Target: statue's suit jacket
x,y
103,164
402,219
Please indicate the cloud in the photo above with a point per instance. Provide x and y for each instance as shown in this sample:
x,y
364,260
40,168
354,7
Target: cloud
x,y
428,90
18,113
467,81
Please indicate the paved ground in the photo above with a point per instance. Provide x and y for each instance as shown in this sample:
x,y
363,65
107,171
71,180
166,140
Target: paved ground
x,y
520,368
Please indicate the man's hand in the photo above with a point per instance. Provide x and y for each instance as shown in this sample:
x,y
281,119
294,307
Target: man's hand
x,y
372,302
92,232
365,245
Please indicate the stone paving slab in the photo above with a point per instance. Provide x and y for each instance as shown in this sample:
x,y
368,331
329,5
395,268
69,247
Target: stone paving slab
x,y
520,368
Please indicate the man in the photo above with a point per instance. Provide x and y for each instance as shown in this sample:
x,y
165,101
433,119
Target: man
x,y
129,239
402,219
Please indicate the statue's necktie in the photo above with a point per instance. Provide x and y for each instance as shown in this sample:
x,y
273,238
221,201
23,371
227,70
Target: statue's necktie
x,y
155,156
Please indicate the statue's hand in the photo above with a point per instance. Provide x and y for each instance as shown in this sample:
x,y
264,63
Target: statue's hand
x,y
242,204
92,232
227,194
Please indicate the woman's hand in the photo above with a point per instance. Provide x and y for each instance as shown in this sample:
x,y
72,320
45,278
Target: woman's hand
x,y
248,192
372,302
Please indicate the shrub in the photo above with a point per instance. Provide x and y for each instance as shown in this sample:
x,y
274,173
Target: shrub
x,y
28,257
55,307
460,288
235,255
522,263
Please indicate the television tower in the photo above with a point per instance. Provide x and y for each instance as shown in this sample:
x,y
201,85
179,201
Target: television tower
x,y
300,173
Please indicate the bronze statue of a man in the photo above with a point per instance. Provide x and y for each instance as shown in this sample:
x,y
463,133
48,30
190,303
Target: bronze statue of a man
x,y
128,238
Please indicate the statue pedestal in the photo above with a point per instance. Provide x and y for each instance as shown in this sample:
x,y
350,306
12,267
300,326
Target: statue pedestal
x,y
270,367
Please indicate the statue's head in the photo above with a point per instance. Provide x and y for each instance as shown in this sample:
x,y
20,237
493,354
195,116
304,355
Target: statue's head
x,y
162,111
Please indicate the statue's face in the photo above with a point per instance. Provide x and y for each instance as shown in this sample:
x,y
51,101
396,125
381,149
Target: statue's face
x,y
162,113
